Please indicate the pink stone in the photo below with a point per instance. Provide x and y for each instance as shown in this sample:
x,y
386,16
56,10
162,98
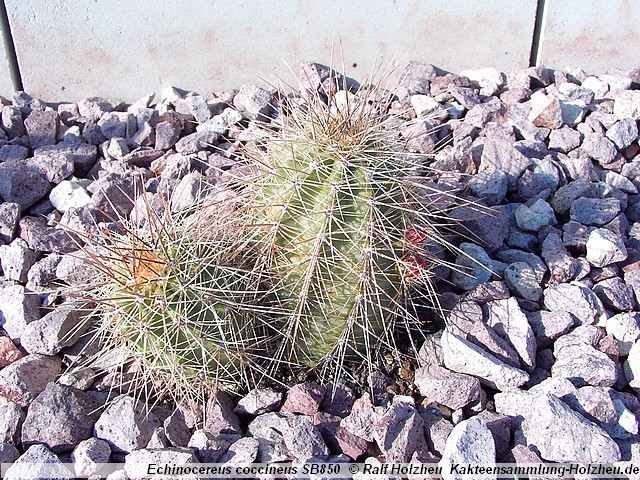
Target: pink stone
x,y
304,398
9,353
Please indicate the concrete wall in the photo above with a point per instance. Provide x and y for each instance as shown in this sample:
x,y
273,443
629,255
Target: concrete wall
x,y
121,49
596,35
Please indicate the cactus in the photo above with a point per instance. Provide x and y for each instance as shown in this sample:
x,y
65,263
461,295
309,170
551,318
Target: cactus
x,y
179,296
311,262
344,223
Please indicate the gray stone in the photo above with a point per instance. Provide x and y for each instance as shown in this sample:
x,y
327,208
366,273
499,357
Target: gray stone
x,y
95,107
462,356
9,217
38,462
631,367
539,178
573,112
54,166
615,294
594,211
197,141
486,292
69,194
627,104
209,448
513,255
620,182
453,390
489,186
26,378
470,442
502,156
176,429
18,308
12,122
599,148
81,378
548,326
220,417
11,418
576,299
521,279
253,102
42,128
59,328
241,452
491,230
486,338
559,433
125,424
8,453
117,125
545,111
113,194
399,432
624,327
21,184
268,429
167,134
137,463
10,153
518,118
562,266
360,422
304,398
16,260
188,192
583,364
303,440
88,455
605,247
196,106
43,238
60,418
623,133
116,148
508,320
473,266
533,218
259,401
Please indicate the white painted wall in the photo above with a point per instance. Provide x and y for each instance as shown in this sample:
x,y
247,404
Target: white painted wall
x,y
595,35
68,50
72,49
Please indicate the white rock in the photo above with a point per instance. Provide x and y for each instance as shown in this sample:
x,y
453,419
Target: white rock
x,y
474,266
69,194
535,217
627,104
508,320
470,442
597,86
559,433
462,356
624,327
426,106
488,79
605,247
632,367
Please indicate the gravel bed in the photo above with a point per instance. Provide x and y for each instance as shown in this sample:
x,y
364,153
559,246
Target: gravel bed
x,y
540,359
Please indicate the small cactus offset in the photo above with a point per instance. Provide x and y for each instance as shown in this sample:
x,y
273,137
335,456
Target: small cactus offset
x,y
345,224
178,295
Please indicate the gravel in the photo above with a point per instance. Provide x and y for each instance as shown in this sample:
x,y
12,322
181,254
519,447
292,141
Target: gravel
x,y
540,360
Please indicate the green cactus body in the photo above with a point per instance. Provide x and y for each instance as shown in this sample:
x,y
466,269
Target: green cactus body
x,y
335,201
180,303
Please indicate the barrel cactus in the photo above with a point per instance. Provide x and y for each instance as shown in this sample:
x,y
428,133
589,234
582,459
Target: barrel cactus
x,y
178,295
344,221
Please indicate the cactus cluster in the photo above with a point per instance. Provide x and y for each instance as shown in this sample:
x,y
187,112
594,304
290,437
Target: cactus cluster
x,y
310,264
